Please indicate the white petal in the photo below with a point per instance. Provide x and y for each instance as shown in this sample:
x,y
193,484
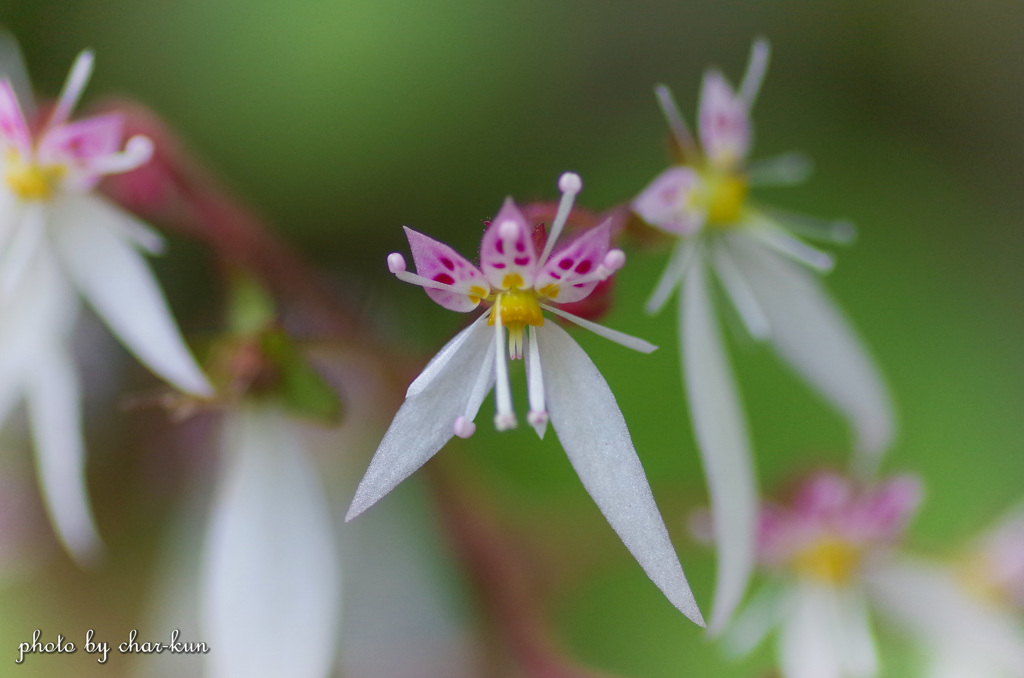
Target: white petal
x,y
270,571
766,610
810,332
859,654
438,362
118,283
424,423
21,248
721,430
928,601
593,433
808,644
679,261
55,415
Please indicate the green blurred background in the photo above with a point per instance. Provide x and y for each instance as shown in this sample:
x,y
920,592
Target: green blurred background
x,y
343,120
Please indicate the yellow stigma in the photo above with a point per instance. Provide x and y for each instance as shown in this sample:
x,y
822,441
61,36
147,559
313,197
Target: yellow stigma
x,y
519,308
829,560
726,195
30,181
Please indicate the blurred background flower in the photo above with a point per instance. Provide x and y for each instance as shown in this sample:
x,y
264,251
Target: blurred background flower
x,y
342,121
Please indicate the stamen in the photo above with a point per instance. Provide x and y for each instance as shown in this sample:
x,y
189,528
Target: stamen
x,y
678,262
613,261
787,169
676,122
73,87
756,67
396,263
406,276
463,427
621,338
838,232
570,185
794,248
537,416
136,153
504,418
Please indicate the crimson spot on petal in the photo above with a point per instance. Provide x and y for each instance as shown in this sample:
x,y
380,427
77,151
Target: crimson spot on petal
x,y
444,279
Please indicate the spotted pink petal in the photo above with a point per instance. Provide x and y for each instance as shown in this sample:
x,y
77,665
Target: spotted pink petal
x,y
439,262
824,497
724,123
668,203
507,250
13,128
579,258
79,143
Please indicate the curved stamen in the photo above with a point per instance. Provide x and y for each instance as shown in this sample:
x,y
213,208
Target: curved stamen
x,y
756,68
570,185
613,261
464,428
622,338
538,415
504,418
136,153
73,87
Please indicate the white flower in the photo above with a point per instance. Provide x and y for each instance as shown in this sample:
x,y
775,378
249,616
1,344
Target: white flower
x,y
270,587
58,239
751,251
563,384
824,553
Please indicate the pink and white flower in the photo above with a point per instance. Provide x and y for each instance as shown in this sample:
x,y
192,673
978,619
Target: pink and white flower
x,y
755,254
823,553
563,385
58,240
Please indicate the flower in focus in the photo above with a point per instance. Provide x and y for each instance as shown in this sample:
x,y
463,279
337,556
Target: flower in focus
x,y
563,385
755,254
58,238
823,553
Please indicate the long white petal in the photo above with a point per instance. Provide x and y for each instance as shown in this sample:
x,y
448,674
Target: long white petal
x,y
811,333
56,419
424,423
809,642
593,433
721,430
270,571
116,280
931,603
621,338
766,610
675,270
859,655
21,249
438,362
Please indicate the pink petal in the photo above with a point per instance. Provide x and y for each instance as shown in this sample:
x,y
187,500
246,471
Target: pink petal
x,y
823,497
579,258
439,262
13,129
667,204
724,123
79,143
507,250
883,514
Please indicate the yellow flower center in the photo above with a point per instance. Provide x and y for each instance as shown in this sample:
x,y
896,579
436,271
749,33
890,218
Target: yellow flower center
x,y
725,196
31,181
829,560
519,308
976,576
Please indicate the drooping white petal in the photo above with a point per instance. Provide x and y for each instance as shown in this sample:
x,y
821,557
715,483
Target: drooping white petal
x,y
766,610
593,433
810,637
931,603
270,574
721,431
424,422
811,333
438,362
627,340
679,260
52,396
22,247
858,653
116,280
